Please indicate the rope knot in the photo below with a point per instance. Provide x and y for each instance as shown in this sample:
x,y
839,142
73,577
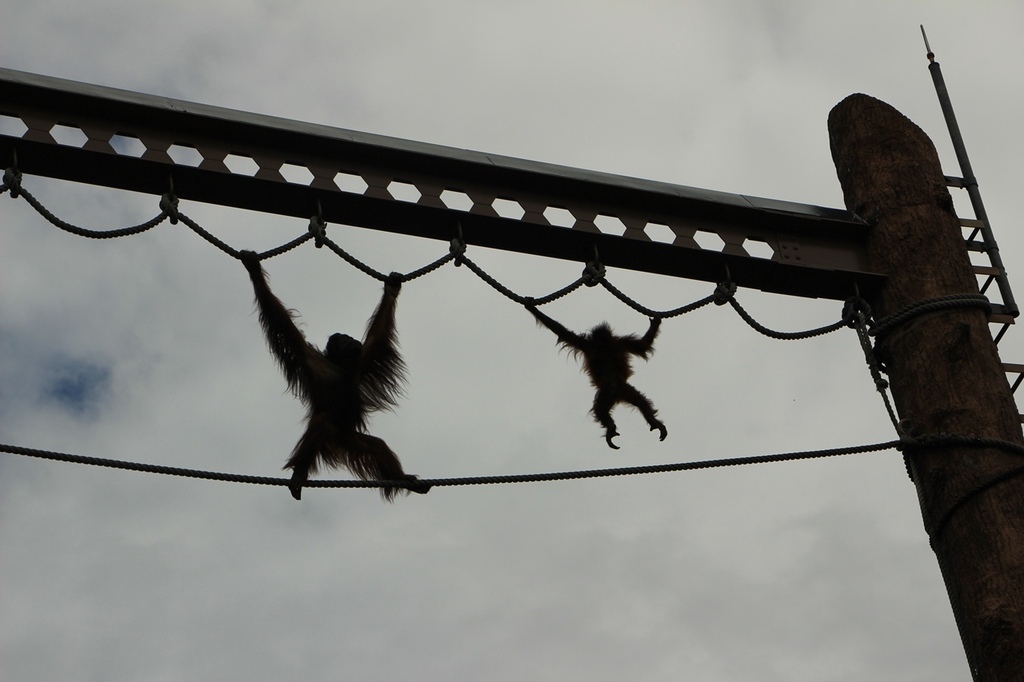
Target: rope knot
x,y
393,282
724,293
593,273
318,228
169,205
855,311
12,180
457,246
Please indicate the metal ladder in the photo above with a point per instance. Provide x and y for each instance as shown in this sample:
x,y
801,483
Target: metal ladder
x,y
981,239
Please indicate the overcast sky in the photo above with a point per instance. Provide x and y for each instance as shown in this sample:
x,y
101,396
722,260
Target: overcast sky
x,y
147,349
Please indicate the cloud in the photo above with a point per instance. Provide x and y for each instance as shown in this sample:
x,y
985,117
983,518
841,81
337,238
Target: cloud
x,y
147,349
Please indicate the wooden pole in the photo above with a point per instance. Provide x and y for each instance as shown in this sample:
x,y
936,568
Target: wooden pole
x,y
945,376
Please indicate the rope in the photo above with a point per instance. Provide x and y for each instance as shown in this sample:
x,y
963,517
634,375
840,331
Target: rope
x,y
944,439
936,532
12,181
427,269
593,274
643,310
355,262
285,248
856,313
783,336
886,326
449,482
498,286
195,227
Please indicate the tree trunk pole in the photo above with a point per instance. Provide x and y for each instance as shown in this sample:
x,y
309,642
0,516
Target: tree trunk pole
x,y
945,376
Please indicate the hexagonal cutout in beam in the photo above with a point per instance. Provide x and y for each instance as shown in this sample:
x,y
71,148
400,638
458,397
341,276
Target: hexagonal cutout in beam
x,y
708,241
349,182
659,232
68,135
559,217
240,164
609,224
12,126
404,191
184,155
507,208
127,145
758,248
296,173
456,200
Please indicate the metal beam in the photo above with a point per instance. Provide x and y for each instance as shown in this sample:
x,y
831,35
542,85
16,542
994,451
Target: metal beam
x,y
132,141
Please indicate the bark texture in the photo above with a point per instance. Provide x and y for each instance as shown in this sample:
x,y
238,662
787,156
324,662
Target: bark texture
x,y
945,375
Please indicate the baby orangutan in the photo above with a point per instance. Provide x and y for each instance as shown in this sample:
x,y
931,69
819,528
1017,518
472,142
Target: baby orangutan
x,y
606,361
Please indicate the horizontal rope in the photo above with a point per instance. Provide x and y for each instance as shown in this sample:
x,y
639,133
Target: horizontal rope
x,y
448,482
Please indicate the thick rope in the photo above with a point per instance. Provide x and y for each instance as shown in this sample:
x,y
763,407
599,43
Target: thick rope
x,y
427,269
449,482
495,284
643,310
18,191
285,248
783,336
198,229
886,326
593,274
353,261
948,439
936,531
856,313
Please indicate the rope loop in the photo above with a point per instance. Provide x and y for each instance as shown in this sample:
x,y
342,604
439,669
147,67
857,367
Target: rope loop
x,y
887,325
169,205
12,181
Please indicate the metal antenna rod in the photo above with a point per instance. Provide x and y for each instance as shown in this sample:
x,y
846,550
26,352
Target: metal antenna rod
x,y
970,182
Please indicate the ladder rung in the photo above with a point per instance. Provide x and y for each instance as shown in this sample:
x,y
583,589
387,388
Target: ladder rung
x,y
986,270
952,181
1015,369
1001,319
979,247
971,222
